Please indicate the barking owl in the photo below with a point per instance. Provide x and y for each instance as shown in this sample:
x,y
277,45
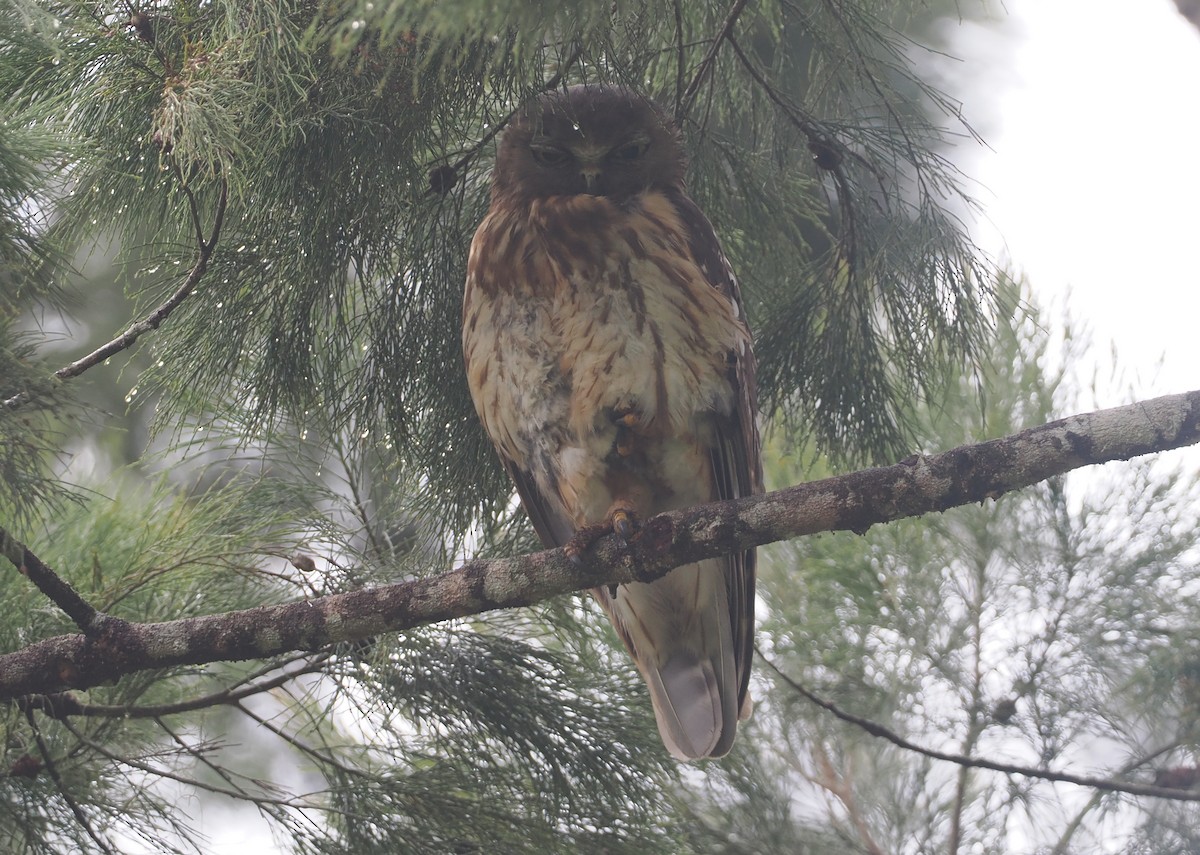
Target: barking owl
x,y
608,356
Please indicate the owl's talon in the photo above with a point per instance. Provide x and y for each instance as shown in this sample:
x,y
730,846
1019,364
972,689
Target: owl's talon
x,y
623,524
625,423
624,444
584,539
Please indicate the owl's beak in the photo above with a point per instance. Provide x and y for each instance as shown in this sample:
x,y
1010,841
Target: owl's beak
x,y
591,156
590,175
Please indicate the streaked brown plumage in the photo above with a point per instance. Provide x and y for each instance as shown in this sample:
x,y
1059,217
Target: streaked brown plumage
x,y
609,359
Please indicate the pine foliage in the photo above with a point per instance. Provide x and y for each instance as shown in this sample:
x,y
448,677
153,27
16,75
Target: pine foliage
x,y
285,192
333,295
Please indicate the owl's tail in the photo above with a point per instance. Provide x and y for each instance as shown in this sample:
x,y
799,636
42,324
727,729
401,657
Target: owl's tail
x,y
678,630
696,718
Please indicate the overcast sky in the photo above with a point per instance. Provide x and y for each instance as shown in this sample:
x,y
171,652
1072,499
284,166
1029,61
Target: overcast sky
x,y
1092,184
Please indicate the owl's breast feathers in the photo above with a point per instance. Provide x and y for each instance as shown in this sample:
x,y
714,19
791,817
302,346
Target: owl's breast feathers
x,y
578,309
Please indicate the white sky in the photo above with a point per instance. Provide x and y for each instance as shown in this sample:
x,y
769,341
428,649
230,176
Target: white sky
x,y
1093,181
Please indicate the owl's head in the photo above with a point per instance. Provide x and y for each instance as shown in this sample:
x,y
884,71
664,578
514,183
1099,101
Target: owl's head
x,y
590,139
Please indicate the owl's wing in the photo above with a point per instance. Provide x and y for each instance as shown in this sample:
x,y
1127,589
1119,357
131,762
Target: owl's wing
x,y
549,521
736,454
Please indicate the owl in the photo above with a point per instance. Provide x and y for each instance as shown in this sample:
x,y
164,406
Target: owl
x,y
609,359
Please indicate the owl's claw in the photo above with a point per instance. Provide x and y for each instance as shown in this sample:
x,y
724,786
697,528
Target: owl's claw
x,y
584,539
625,423
621,521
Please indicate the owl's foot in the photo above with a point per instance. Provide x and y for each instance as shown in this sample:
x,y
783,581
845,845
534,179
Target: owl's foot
x,y
625,422
622,522
584,539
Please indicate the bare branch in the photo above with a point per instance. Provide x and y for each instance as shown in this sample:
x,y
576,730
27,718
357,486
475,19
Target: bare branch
x,y
853,502
49,583
876,729
63,704
153,320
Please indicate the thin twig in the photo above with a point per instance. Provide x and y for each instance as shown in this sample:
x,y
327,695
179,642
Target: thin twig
x,y
876,729
841,787
193,205
319,757
847,212
198,752
806,124
1062,846
300,802
155,319
975,725
360,506
63,704
52,769
679,54
313,664
705,67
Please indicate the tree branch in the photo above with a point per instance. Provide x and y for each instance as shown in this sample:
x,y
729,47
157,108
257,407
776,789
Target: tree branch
x,y
852,502
60,591
153,320
876,729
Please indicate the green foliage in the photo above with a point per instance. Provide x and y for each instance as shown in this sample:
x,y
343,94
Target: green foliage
x,y
1055,628
29,439
145,553
489,744
333,295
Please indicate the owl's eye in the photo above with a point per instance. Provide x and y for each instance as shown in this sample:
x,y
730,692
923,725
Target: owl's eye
x,y
548,155
630,151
